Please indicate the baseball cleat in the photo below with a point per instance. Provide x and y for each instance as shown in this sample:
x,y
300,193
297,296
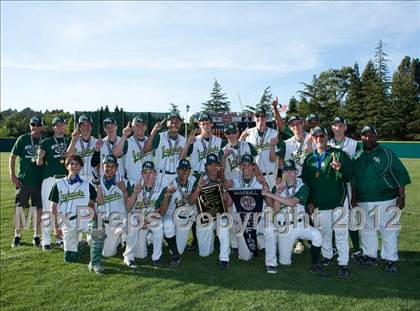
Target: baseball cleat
x,y
98,269
224,265
16,241
59,243
156,264
299,248
46,247
175,261
326,262
357,256
192,247
367,261
271,269
390,266
317,269
36,241
131,264
343,271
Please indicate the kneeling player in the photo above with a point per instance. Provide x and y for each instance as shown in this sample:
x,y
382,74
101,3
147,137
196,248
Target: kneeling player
x,y
67,195
146,199
205,233
290,199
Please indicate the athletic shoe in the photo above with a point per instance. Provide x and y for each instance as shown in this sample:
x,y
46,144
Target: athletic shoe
x,y
390,266
46,247
59,243
156,264
326,262
357,256
317,269
271,269
36,241
299,248
343,271
175,261
16,241
131,264
224,265
192,247
335,252
368,261
98,269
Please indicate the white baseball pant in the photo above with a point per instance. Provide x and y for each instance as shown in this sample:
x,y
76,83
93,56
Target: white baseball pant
x,y
136,243
112,240
46,187
205,237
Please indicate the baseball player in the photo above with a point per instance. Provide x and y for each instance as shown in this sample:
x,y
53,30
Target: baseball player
x,y
146,198
84,144
52,154
349,146
283,129
176,223
379,189
312,121
205,235
167,147
248,180
132,149
112,196
290,199
326,171
28,182
68,195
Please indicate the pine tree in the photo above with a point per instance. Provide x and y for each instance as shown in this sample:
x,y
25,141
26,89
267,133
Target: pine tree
x,y
293,106
264,102
218,102
414,125
174,109
353,106
381,62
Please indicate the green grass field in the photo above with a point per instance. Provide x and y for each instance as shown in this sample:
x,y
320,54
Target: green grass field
x,y
31,279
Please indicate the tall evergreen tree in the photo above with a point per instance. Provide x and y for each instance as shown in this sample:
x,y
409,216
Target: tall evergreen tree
x,y
293,106
218,102
353,107
174,109
381,62
264,102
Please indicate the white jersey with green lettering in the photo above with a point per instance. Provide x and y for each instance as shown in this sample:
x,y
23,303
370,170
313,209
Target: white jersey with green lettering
x,y
202,148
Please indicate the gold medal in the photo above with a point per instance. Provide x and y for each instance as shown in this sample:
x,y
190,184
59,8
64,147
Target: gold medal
x,y
62,161
317,174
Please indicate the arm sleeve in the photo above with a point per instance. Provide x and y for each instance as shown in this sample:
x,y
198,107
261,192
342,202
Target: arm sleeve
x,y
254,152
274,190
281,149
305,173
17,149
224,143
160,198
156,141
96,158
125,148
190,150
92,193
43,144
346,171
398,170
195,184
302,194
54,194
130,188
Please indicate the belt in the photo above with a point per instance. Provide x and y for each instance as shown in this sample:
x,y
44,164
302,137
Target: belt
x,y
265,174
167,173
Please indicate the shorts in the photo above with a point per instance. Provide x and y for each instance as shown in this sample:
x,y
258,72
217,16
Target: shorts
x,y
25,192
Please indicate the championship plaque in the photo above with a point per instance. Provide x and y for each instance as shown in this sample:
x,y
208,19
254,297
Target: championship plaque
x,y
210,200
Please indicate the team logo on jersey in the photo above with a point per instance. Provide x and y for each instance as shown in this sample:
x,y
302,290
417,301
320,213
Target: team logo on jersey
x,y
137,156
141,205
167,152
180,202
232,163
202,154
86,153
112,197
377,159
69,196
248,203
264,147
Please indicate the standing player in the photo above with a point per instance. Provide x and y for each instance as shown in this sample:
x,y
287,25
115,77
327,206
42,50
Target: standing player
x,y
28,182
52,154
326,172
132,149
146,198
290,199
167,147
111,200
67,196
312,121
248,181
349,146
84,144
379,189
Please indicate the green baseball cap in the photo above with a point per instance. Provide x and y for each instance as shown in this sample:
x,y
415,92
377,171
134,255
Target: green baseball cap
x,y
369,129
110,158
173,115
148,165
247,158
260,112
294,118
85,118
312,116
204,116
36,121
108,121
57,120
338,120
184,164
212,158
138,119
319,130
231,128
289,165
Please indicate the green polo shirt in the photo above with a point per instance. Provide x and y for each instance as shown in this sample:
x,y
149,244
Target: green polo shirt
x,y
30,174
327,186
378,175
53,155
302,194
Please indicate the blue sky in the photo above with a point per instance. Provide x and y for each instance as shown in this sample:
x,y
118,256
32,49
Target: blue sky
x,y
144,55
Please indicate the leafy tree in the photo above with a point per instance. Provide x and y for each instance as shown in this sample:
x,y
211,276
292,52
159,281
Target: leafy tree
x,y
218,102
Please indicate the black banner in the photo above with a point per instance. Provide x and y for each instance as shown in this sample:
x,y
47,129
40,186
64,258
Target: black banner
x,y
210,200
248,201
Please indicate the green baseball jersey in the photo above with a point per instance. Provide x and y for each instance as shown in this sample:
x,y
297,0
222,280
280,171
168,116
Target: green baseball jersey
x,y
327,186
55,150
302,193
30,174
378,175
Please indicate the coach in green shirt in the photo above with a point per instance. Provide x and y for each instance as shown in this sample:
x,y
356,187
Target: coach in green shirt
x,y
379,189
326,171
28,182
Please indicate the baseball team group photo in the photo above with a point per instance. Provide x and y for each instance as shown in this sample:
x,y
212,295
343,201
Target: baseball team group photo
x,y
302,196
